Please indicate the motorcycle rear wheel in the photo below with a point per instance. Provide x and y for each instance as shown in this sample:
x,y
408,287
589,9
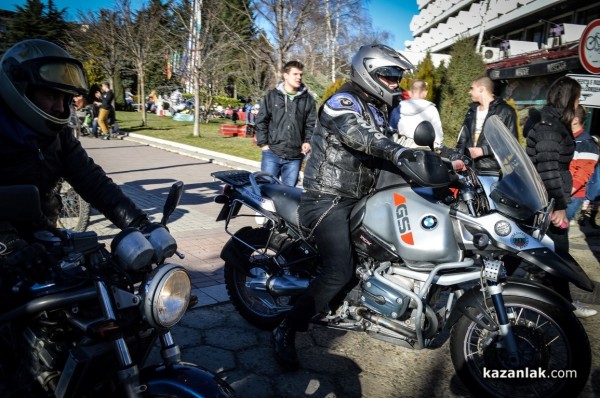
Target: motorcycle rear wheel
x,y
551,341
259,308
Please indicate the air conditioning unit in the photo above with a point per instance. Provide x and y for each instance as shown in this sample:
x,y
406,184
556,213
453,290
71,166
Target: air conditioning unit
x,y
516,47
552,42
491,54
572,32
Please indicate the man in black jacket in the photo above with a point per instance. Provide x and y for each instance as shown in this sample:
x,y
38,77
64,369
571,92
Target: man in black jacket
x,y
284,125
484,105
38,80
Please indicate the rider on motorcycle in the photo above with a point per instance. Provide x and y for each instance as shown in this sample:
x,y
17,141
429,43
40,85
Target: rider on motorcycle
x,y
38,81
348,146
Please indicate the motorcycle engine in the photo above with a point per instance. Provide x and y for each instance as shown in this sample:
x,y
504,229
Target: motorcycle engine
x,y
383,299
43,357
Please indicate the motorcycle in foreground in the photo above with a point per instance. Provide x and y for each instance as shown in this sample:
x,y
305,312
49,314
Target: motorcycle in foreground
x,y
79,321
426,264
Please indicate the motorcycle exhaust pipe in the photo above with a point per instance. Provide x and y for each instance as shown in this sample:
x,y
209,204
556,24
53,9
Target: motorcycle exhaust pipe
x,y
287,285
386,323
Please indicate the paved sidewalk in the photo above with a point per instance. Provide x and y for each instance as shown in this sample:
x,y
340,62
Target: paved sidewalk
x,y
334,363
145,174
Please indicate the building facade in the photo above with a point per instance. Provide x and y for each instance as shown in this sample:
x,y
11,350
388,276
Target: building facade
x,y
526,44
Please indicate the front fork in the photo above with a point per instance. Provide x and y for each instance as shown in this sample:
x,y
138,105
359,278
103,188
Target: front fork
x,y
508,341
129,374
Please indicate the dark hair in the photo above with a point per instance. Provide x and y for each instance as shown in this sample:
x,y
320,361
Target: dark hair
x,y
580,113
562,95
292,64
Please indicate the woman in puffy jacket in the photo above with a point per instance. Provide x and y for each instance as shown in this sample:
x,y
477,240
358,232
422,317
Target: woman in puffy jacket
x,y
550,146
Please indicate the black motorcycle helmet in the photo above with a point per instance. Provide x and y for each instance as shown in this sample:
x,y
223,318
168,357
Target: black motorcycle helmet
x,y
36,63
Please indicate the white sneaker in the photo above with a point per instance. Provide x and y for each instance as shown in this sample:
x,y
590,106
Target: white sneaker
x,y
582,310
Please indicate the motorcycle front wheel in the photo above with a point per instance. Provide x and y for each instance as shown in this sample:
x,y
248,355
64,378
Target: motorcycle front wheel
x,y
75,212
248,291
554,352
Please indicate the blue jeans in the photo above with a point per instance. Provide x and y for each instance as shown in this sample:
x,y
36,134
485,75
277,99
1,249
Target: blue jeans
x,y
573,207
286,170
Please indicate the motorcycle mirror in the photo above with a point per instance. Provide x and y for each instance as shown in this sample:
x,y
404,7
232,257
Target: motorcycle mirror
x,y
424,134
20,203
172,201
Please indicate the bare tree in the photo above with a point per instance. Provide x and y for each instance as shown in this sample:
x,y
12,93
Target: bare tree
x,y
339,16
212,56
284,21
97,42
140,38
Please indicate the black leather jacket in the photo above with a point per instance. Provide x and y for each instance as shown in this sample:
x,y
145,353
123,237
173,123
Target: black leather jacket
x,y
466,138
285,125
29,159
348,145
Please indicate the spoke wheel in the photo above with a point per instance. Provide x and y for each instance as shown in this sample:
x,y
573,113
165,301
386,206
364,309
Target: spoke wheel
x,y
75,212
551,343
248,291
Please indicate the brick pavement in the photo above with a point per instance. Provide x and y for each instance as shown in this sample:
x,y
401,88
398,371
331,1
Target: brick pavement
x,y
145,174
334,363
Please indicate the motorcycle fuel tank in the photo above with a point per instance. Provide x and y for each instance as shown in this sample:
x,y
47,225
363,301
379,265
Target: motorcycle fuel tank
x,y
411,220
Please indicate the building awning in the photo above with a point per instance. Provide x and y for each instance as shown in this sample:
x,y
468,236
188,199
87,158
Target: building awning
x,y
539,63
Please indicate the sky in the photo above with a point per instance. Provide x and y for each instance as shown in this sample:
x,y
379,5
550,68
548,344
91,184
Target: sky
x,y
393,16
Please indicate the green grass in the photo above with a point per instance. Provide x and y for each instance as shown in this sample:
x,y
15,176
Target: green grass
x,y
182,132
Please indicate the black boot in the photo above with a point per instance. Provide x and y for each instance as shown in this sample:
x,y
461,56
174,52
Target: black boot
x,y
583,219
283,342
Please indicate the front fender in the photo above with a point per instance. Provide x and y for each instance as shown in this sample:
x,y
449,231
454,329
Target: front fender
x,y
471,303
184,380
563,266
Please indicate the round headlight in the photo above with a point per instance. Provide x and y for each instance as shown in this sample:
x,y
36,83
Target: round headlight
x,y
166,296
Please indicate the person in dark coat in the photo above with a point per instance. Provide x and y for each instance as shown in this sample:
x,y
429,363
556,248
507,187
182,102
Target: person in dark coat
x,y
38,80
285,124
471,137
550,146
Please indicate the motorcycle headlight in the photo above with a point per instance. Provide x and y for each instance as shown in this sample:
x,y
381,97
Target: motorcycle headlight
x,y
166,296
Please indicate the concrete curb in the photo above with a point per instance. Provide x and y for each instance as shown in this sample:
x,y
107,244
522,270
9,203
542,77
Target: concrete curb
x,y
219,158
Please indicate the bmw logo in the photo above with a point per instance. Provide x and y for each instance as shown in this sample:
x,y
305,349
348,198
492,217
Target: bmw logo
x,y
429,222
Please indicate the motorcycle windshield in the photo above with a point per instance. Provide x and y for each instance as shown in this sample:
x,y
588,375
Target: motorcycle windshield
x,y
520,192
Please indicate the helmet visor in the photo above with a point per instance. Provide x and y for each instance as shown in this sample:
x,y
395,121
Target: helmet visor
x,y
62,74
389,73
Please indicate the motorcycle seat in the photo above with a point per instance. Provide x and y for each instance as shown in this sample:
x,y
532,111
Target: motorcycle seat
x,y
286,200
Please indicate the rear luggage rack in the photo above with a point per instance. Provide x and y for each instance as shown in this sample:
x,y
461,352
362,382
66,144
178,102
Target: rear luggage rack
x,y
236,178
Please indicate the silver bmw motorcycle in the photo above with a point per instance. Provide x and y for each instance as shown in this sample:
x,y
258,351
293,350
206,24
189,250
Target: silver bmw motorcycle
x,y
426,263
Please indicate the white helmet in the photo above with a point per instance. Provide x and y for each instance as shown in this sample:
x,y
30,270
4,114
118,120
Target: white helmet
x,y
36,63
375,60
